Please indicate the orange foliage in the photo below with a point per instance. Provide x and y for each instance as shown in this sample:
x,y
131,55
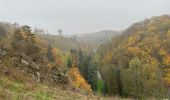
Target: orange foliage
x,y
77,80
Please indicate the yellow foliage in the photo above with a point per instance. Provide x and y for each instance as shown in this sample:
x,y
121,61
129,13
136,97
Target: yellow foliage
x,y
167,79
167,60
152,29
42,44
131,41
77,80
168,33
134,50
108,57
162,52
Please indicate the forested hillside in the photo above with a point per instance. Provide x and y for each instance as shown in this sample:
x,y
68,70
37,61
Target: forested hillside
x,y
136,63
27,59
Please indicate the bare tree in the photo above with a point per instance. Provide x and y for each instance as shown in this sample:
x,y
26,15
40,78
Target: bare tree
x,y
60,32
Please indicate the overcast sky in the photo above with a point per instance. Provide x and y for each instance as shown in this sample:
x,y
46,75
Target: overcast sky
x,y
81,16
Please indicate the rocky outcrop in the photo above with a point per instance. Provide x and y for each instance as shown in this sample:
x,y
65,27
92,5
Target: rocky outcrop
x,y
27,61
58,77
38,72
2,52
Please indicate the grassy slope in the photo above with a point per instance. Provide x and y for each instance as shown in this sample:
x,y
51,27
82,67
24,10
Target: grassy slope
x,y
15,90
64,43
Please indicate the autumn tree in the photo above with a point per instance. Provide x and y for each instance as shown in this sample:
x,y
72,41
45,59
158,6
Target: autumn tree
x,y
77,80
24,41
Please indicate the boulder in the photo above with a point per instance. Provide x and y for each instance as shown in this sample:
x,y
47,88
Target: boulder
x,y
2,52
60,78
27,61
24,62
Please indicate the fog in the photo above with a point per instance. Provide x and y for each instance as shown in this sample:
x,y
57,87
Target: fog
x,y
81,16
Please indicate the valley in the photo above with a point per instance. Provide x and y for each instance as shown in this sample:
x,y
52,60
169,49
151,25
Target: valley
x,y
133,64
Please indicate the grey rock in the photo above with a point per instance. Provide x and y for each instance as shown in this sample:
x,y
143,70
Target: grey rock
x,y
2,52
24,62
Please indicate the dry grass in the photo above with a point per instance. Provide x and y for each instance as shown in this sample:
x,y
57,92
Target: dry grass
x,y
14,90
